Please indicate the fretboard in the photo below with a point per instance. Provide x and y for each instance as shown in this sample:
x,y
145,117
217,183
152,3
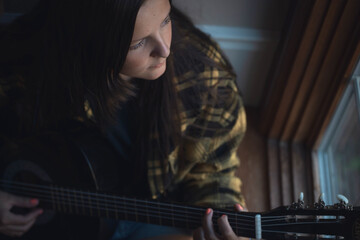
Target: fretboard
x,y
79,202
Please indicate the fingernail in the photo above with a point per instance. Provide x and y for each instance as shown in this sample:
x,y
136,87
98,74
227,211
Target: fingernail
x,y
34,201
240,207
208,211
224,216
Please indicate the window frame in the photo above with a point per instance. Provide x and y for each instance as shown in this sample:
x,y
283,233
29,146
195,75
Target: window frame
x,y
325,168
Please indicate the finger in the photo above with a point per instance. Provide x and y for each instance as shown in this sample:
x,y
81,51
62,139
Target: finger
x,y
198,234
17,219
239,208
208,225
20,228
24,202
11,200
225,228
12,234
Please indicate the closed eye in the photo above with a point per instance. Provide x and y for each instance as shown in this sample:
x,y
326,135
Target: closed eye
x,y
166,21
138,45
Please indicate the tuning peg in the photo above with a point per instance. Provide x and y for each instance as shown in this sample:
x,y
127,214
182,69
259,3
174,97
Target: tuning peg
x,y
299,204
343,203
321,203
301,197
342,199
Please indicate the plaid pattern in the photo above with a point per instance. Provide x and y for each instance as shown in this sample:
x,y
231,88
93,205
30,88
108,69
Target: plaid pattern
x,y
202,167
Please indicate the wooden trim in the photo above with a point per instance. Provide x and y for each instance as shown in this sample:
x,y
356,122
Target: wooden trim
x,y
283,61
286,176
290,172
274,174
283,128
315,176
310,57
299,170
311,71
352,58
330,76
316,61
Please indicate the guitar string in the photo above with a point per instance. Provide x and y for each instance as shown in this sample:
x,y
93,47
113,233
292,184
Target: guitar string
x,y
230,217
176,206
68,201
146,214
137,200
63,197
237,227
175,211
82,193
195,223
268,225
311,234
273,218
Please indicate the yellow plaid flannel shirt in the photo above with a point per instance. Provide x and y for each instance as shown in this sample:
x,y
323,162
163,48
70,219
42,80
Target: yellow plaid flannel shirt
x,y
203,165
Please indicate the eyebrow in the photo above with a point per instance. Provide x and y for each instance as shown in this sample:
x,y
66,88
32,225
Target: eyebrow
x,y
161,22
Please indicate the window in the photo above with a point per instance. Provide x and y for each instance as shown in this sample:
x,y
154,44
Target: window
x,y
339,151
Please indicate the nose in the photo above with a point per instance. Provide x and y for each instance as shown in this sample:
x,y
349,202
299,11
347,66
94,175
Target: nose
x,y
161,47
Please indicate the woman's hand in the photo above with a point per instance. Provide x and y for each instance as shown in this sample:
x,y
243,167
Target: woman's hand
x,y
15,225
207,230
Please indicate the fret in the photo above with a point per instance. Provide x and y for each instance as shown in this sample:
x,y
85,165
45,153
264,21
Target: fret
x,y
52,198
158,208
98,205
57,196
135,210
147,212
152,206
116,210
236,222
125,213
172,215
76,202
63,198
82,202
106,208
186,218
67,194
90,204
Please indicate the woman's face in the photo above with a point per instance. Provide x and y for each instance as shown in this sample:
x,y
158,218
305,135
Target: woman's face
x,y
151,42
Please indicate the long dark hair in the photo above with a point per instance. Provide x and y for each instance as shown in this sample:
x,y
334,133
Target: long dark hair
x,y
74,51
78,51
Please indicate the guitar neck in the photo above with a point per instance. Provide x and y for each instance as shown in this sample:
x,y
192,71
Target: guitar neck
x,y
78,202
281,223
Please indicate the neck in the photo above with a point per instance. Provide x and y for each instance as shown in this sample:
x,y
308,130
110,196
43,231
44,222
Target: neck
x,y
117,207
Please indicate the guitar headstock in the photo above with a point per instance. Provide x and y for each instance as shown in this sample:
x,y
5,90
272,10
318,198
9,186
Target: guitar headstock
x,y
315,221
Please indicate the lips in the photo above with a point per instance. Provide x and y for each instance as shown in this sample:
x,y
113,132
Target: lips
x,y
158,65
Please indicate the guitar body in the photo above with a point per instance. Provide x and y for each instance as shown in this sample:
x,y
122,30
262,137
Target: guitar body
x,y
79,159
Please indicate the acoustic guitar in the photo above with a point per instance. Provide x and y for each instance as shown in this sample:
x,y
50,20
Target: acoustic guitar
x,y
49,167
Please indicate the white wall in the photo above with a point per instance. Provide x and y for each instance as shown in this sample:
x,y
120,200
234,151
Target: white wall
x,y
247,30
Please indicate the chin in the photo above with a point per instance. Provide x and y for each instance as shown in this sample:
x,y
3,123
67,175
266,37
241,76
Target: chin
x,y
154,75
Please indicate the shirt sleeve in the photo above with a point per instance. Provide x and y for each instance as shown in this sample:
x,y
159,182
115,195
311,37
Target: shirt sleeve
x,y
208,154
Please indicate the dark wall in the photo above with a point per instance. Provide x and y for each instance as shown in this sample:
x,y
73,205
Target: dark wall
x,y
18,6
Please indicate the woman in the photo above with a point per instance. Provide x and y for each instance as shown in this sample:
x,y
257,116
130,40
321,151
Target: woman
x,y
159,90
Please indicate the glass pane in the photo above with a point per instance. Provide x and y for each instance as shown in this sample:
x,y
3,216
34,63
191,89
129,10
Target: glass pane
x,y
343,154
